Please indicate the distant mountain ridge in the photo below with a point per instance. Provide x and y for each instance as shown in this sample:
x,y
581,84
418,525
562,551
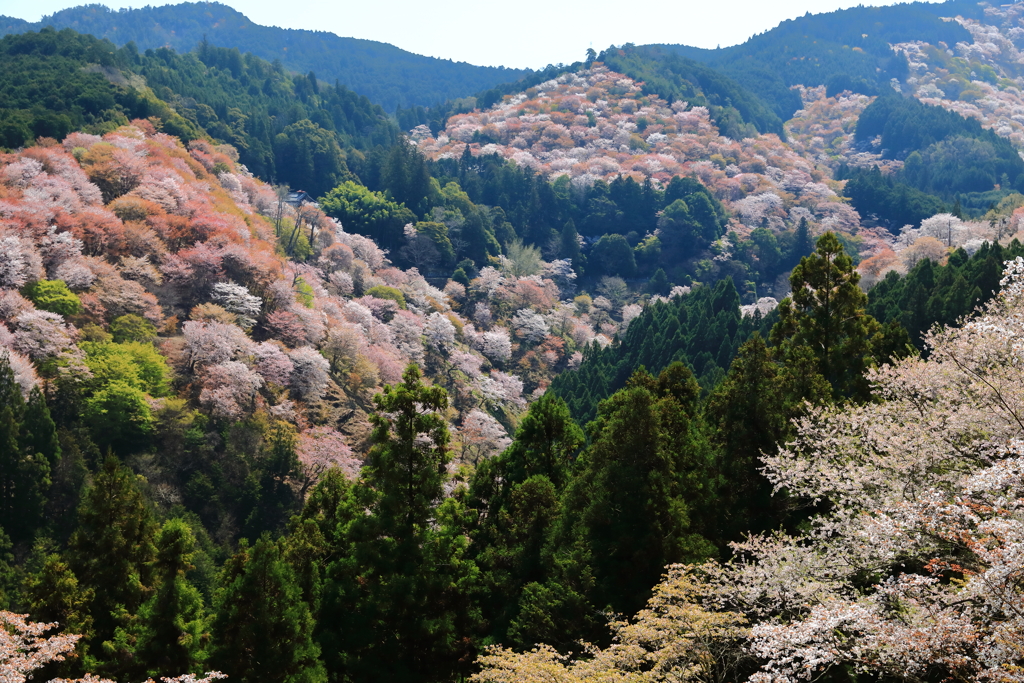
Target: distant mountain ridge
x,y
387,75
852,44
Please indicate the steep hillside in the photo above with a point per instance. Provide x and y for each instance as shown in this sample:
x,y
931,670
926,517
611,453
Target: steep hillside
x,y
284,127
595,129
843,49
387,75
735,110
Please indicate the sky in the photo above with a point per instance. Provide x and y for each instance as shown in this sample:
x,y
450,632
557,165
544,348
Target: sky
x,y
522,34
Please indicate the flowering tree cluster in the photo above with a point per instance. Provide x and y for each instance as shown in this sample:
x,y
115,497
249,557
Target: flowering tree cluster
x,y
185,245
597,124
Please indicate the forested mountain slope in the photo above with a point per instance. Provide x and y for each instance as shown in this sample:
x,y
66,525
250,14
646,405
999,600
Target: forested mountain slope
x,y
284,127
468,409
387,75
842,49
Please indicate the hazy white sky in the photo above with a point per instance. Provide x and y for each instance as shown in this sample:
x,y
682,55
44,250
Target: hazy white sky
x,y
524,33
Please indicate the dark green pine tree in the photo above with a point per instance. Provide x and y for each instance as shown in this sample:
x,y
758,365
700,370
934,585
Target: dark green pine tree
x,y
263,630
52,593
39,433
8,573
174,625
628,512
749,414
112,552
517,495
398,605
659,284
826,315
636,518
316,535
802,243
27,448
569,244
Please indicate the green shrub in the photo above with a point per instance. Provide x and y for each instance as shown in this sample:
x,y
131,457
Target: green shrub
x,y
54,296
385,292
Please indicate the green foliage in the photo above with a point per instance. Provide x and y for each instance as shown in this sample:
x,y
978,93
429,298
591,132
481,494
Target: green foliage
x,y
54,83
132,328
367,213
52,593
523,259
28,451
8,573
548,216
112,549
173,623
434,236
749,414
814,49
282,127
263,629
385,292
304,293
612,255
54,296
702,329
642,496
630,505
385,74
895,203
386,618
944,153
931,294
310,157
736,111
826,318
133,363
518,490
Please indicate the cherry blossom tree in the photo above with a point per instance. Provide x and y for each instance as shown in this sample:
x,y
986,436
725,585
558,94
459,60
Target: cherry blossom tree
x,y
42,335
272,363
25,648
496,345
440,332
322,448
529,326
911,567
310,373
19,262
24,372
210,343
480,437
238,300
229,389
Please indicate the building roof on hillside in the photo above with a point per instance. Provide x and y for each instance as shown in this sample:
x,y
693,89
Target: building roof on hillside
x,y
299,197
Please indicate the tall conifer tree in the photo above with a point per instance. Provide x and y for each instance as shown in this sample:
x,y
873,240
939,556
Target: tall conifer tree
x,y
263,629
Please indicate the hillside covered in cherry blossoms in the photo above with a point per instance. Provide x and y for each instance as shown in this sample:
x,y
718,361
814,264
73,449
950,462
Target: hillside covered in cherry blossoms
x,y
669,364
